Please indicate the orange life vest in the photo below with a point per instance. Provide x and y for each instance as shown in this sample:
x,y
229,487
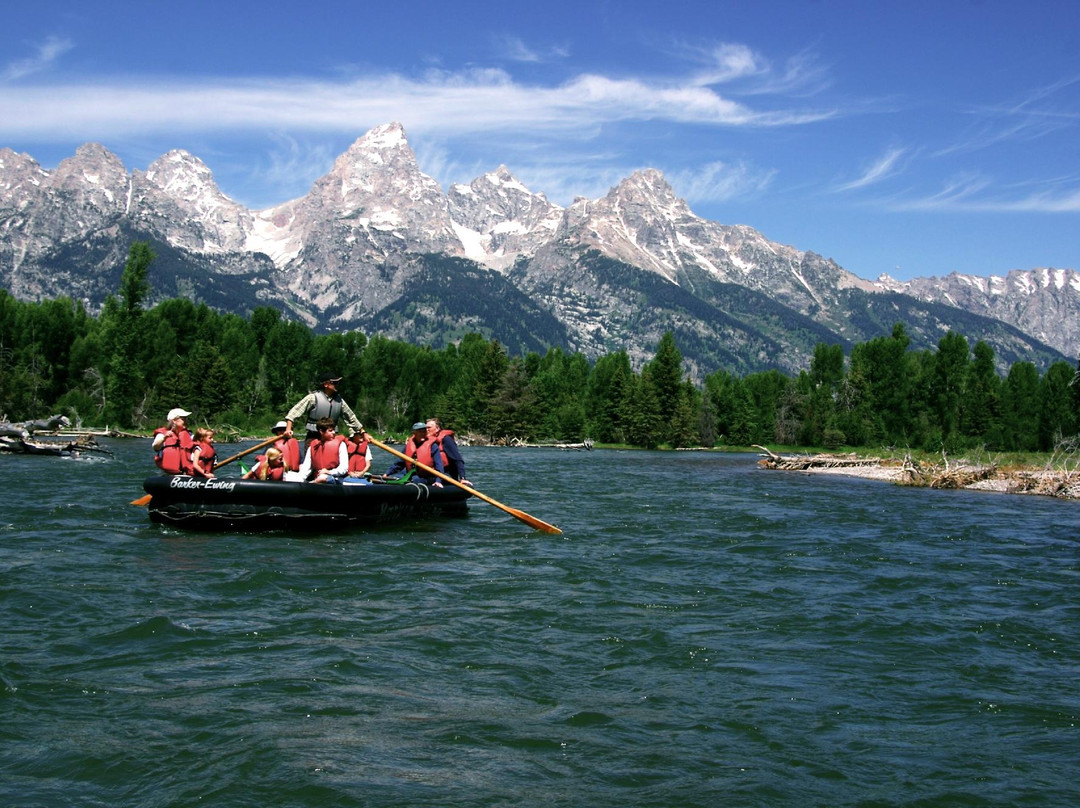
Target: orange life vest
x,y
174,456
290,452
420,452
358,457
206,456
264,471
324,453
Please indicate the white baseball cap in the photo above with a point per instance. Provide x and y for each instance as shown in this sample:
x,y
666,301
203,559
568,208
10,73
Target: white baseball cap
x,y
178,413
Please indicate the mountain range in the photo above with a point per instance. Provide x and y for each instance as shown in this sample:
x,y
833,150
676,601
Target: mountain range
x,y
379,246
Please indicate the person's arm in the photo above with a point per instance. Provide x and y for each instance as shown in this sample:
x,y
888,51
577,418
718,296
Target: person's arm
x,y
453,453
196,466
299,410
350,417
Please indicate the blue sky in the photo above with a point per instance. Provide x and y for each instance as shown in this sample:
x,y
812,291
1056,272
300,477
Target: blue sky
x,y
913,138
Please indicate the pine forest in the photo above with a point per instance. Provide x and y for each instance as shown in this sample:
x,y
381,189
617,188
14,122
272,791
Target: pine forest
x,y
126,367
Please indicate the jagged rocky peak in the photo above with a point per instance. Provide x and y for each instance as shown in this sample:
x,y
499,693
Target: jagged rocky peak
x,y
21,177
379,171
179,172
93,174
495,199
178,198
649,189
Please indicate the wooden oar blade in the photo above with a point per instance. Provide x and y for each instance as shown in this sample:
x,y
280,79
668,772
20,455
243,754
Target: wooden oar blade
x,y
537,524
532,521
142,500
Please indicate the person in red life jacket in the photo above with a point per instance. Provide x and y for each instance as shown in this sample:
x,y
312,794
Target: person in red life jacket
x,y
173,444
323,403
423,449
455,463
327,459
203,454
289,447
359,450
270,466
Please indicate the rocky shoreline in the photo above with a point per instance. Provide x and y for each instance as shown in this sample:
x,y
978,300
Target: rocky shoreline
x,y
1052,482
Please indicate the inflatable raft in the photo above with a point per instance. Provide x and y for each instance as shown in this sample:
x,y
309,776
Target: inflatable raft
x,y
235,504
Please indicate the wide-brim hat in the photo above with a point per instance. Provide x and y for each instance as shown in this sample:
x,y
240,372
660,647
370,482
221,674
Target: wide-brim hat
x,y
329,376
177,412
419,425
279,425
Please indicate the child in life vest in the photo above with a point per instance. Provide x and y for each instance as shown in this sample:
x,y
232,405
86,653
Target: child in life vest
x,y
359,449
270,466
203,455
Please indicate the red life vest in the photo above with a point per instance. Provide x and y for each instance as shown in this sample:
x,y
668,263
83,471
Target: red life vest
x,y
290,452
174,456
206,456
264,471
420,452
324,453
358,457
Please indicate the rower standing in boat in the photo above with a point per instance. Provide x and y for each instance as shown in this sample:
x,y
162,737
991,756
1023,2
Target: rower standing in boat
x,y
323,403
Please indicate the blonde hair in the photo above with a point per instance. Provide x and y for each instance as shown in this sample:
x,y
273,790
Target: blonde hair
x,y
202,433
263,469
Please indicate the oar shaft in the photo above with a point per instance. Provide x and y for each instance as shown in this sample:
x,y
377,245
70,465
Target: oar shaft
x,y
539,524
254,448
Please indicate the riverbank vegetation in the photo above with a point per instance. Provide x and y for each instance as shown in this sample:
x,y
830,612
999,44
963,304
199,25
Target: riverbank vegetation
x,y
129,365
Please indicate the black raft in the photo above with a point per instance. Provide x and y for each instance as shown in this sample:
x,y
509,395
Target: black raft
x,y
234,504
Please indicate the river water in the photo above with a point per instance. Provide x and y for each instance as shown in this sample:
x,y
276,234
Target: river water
x,y
704,633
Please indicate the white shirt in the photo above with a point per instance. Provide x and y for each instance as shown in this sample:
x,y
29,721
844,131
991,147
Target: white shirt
x,y
340,470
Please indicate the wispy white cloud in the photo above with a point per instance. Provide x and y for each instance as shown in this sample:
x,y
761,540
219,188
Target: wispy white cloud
x,y
1039,113
748,73
464,101
884,167
47,53
720,182
289,159
976,193
514,49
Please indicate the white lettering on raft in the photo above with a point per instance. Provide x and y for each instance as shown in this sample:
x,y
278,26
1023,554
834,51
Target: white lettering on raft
x,y
205,484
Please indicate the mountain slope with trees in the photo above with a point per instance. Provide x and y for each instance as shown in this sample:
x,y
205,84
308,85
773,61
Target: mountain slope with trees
x,y
130,364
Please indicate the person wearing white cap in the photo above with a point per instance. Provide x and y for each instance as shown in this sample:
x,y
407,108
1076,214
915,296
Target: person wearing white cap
x,y
173,444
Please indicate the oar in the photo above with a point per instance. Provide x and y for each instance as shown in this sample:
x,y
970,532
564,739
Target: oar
x,y
254,448
531,521
146,500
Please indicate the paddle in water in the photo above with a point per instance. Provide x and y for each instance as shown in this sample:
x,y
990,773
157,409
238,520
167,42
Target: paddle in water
x,y
531,521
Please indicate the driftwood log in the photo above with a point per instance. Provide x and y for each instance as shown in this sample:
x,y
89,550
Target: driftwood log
x,y
16,438
24,429
818,461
